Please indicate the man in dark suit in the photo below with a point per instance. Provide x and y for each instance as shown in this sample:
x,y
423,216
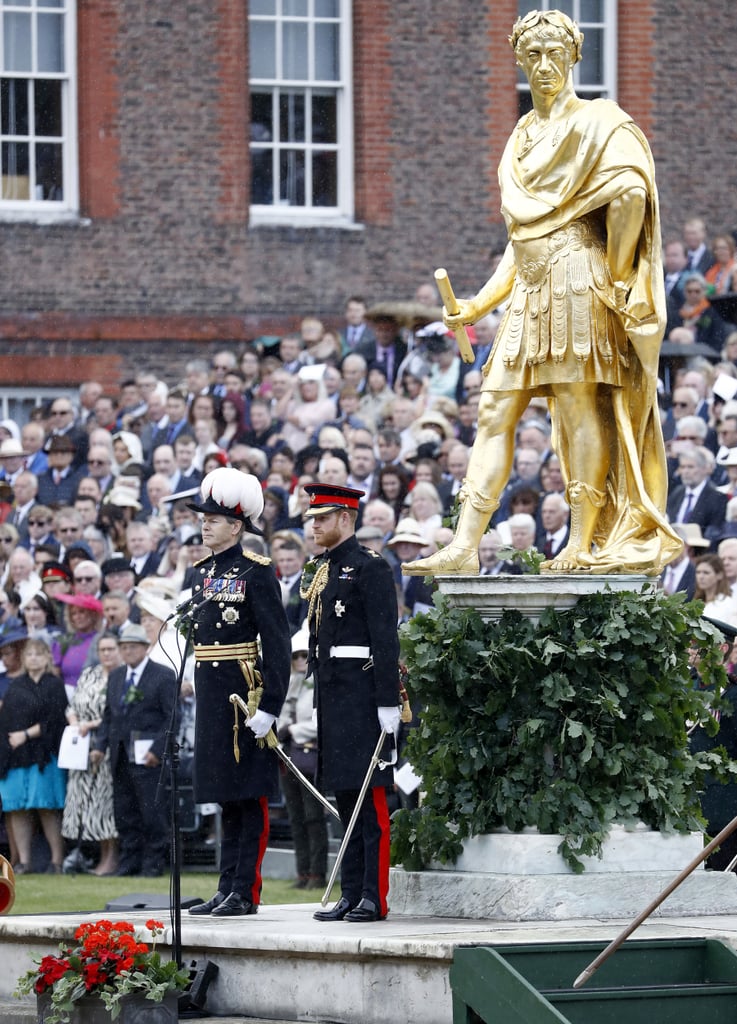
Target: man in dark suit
x,y
386,348
680,574
141,696
553,536
699,255
290,560
356,330
58,485
176,411
695,499
62,424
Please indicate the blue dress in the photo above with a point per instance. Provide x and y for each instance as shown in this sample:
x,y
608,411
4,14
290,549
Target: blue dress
x,y
30,777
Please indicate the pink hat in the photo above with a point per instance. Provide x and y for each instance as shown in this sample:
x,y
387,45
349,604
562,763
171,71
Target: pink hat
x,y
82,601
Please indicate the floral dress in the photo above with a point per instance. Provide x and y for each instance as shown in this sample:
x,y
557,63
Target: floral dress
x,y
88,809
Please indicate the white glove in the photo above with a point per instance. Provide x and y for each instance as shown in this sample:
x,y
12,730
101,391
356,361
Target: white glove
x,y
389,719
260,723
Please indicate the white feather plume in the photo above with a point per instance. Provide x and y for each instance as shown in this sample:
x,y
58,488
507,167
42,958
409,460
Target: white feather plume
x,y
233,489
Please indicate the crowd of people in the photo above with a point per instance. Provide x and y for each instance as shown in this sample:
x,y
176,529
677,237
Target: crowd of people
x,y
98,539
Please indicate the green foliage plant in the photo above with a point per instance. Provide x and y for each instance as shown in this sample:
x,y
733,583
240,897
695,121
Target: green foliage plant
x,y
568,725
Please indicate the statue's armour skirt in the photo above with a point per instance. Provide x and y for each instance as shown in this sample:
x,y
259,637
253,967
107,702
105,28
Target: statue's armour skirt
x,y
557,329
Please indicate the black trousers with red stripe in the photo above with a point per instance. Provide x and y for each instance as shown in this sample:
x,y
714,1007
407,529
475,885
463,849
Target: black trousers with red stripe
x,y
364,872
245,825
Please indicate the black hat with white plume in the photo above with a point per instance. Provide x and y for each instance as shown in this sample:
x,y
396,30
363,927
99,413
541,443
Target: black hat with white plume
x,y
228,492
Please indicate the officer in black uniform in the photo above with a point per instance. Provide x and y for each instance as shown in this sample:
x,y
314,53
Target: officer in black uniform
x,y
236,599
354,655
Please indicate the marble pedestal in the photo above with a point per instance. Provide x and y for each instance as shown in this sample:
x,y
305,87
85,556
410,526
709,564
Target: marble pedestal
x,y
530,595
521,877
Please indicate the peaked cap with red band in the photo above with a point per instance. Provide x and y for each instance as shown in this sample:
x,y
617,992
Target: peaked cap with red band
x,y
325,498
228,492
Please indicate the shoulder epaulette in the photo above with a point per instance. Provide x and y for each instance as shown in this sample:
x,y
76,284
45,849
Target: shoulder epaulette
x,y
201,561
254,557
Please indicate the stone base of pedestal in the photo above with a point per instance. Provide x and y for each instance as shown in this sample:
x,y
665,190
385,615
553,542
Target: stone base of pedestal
x,y
603,896
490,596
508,876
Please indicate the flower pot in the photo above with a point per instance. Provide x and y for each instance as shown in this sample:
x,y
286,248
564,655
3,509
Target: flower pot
x,y
134,1009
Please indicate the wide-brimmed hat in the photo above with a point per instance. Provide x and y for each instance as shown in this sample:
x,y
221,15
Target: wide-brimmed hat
x,y
155,604
369,533
61,443
117,563
87,601
123,497
229,492
133,634
301,641
12,636
728,457
10,448
407,532
433,419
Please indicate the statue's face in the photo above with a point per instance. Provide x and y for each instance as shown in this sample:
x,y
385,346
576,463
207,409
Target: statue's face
x,y
546,61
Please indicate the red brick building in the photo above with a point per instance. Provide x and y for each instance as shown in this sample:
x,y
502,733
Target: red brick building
x,y
178,175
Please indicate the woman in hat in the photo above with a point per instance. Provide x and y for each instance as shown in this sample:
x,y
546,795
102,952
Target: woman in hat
x,y
88,807
307,412
31,724
76,648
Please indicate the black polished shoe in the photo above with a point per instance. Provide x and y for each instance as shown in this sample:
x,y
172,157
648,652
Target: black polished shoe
x,y
200,909
338,912
234,905
365,911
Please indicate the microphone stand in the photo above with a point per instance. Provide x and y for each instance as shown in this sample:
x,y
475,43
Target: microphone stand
x,y
171,755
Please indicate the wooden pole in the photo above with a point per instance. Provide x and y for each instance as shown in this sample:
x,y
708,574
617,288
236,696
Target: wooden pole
x,y
616,943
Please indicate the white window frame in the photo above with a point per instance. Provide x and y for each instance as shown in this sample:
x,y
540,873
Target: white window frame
x,y
607,88
341,215
16,403
50,210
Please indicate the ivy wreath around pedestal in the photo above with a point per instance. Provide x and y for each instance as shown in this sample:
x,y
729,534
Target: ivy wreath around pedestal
x,y
568,725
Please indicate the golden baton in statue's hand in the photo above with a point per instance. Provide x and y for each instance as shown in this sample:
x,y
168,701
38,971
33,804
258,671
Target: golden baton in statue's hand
x,y
451,305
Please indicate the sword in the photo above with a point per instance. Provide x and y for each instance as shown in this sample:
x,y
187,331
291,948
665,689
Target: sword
x,y
279,750
375,760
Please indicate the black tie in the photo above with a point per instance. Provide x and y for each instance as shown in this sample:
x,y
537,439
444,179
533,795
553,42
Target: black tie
x,y
130,682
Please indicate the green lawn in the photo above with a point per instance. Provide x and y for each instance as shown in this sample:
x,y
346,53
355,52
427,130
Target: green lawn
x,y
54,894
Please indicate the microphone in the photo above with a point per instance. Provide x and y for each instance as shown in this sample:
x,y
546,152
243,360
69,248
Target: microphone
x,y
187,607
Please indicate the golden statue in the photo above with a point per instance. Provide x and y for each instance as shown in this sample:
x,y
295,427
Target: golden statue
x,y
583,283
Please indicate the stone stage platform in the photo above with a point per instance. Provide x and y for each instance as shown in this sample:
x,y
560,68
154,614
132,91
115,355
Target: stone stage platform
x,y
282,966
